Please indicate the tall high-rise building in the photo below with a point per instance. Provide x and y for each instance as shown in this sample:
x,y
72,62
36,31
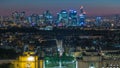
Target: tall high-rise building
x,y
63,18
15,16
22,15
98,21
82,17
33,19
48,17
41,20
117,19
72,17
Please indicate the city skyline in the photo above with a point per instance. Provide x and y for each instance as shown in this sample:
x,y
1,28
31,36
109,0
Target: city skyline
x,y
92,7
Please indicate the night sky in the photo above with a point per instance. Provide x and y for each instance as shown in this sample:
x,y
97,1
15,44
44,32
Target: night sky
x,y
92,7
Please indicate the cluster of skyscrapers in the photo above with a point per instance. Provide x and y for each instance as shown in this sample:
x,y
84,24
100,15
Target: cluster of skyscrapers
x,y
63,18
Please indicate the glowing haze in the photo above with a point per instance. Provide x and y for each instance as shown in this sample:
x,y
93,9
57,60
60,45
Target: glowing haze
x,y
92,7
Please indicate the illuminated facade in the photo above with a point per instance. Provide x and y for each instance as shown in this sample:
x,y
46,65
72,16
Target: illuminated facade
x,y
82,17
98,62
22,16
48,18
90,59
93,59
18,17
72,18
63,18
28,60
33,19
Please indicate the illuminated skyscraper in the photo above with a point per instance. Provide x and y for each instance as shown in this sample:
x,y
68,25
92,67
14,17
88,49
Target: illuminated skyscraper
x,y
98,21
33,19
72,17
63,18
48,17
82,17
22,15
41,19
15,16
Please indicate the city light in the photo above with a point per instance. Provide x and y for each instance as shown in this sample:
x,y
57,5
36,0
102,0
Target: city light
x,y
31,58
70,39
91,67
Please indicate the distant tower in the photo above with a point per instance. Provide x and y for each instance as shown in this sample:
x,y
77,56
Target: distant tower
x,y
117,20
22,15
15,16
48,17
1,20
33,19
82,17
98,21
72,17
63,18
81,9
